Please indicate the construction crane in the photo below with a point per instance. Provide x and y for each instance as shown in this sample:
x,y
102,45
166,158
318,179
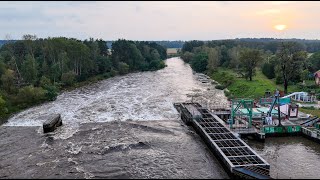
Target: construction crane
x,y
269,113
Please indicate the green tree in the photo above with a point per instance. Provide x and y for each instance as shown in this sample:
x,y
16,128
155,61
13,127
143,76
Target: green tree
x,y
30,69
3,108
268,69
199,62
187,56
29,43
123,68
155,54
213,59
104,64
45,69
29,95
234,54
249,59
289,64
44,82
189,45
55,72
7,80
314,60
68,78
51,92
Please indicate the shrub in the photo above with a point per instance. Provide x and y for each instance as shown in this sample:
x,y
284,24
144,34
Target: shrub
x,y
162,65
187,56
279,80
68,78
30,95
52,92
268,70
123,68
106,75
44,81
3,108
219,86
156,64
113,72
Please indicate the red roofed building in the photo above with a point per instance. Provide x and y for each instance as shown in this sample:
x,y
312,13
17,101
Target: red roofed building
x,y
317,77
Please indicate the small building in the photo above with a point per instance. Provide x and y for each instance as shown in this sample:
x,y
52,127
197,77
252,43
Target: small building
x,y
317,77
291,110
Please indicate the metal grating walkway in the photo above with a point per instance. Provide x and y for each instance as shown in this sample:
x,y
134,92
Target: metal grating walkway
x,y
235,153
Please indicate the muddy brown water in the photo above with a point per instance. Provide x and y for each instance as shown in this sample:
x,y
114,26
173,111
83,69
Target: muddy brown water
x,y
290,157
122,127
118,149
127,127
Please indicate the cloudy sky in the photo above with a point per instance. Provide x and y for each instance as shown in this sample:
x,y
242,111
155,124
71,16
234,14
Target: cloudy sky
x,y
161,20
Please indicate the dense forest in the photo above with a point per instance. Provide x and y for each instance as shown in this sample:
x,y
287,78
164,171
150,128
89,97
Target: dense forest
x,y
285,62
166,44
33,70
266,44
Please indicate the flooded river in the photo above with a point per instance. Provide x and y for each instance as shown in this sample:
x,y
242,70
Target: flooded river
x,y
290,157
127,127
122,127
136,96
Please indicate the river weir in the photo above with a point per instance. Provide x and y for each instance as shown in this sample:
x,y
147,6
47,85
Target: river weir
x,y
122,127
127,127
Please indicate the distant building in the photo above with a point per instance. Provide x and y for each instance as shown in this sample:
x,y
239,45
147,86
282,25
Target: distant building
x,y
317,77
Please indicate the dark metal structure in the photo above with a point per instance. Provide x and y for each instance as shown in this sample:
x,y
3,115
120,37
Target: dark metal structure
x,y
240,160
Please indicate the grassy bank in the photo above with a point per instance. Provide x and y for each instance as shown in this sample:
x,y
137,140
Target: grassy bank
x,y
314,112
242,88
255,89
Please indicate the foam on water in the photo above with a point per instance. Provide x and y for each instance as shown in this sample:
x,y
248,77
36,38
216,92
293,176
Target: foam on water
x,y
136,96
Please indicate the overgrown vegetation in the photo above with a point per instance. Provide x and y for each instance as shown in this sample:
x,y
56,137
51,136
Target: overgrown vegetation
x,y
33,70
250,67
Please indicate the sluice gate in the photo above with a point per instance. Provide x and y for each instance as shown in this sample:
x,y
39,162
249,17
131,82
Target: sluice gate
x,y
239,159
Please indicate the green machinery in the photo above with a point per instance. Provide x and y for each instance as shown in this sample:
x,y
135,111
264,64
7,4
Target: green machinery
x,y
241,103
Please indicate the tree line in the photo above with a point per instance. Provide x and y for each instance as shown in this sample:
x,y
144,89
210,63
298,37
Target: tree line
x,y
33,70
267,44
288,64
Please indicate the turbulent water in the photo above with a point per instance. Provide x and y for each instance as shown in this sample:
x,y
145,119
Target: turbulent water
x,y
117,149
127,127
136,96
122,127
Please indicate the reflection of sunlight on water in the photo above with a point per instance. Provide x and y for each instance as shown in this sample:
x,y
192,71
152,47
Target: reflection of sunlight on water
x,y
136,96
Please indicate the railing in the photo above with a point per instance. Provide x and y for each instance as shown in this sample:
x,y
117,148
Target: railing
x,y
315,133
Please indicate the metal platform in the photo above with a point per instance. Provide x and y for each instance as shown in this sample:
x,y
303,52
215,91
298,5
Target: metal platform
x,y
236,155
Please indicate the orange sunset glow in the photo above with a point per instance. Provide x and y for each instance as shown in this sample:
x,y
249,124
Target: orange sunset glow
x,y
280,27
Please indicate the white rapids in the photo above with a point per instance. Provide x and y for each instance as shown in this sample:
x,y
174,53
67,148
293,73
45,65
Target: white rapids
x,y
135,96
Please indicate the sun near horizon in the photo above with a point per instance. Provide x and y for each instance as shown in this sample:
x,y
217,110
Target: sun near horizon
x,y
280,27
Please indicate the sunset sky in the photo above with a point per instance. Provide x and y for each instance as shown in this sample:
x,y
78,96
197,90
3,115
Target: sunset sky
x,y
161,20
